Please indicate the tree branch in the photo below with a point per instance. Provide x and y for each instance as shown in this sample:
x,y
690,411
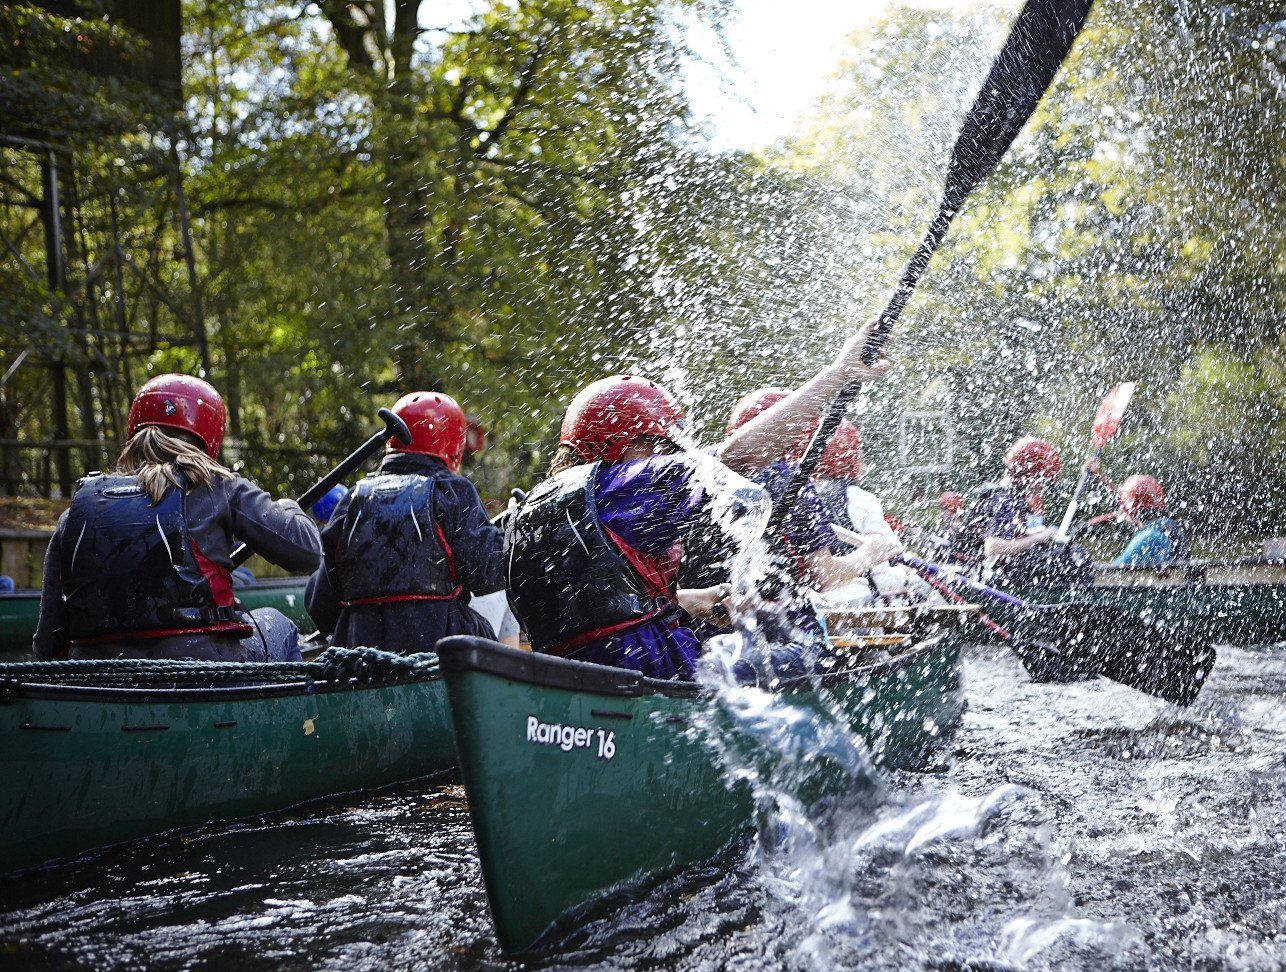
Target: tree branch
x,y
525,81
350,34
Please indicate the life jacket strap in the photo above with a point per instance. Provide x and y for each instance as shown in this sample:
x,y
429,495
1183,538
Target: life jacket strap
x,y
393,598
239,628
565,648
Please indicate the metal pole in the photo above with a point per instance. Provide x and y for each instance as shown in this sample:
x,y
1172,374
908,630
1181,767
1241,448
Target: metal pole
x,y
56,274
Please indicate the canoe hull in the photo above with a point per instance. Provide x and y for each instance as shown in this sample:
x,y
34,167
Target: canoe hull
x,y
582,780
1224,602
99,766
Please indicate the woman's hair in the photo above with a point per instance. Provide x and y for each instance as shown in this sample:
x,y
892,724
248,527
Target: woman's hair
x,y
161,459
565,458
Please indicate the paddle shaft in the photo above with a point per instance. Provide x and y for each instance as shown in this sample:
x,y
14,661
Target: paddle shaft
x,y
957,598
951,577
1066,525
394,427
1037,44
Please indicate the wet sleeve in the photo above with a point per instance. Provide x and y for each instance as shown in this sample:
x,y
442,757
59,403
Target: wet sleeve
x,y
321,597
475,543
51,641
281,532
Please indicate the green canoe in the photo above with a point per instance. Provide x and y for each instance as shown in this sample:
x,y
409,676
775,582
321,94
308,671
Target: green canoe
x,y
1239,602
89,763
583,779
20,610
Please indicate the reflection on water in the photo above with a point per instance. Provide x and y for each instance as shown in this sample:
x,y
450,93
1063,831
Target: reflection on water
x,y
1069,827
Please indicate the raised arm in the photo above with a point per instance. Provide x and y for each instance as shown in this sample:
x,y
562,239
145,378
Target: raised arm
x,y
765,437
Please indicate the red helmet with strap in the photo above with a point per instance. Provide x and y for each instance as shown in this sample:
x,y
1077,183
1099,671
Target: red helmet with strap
x,y
1032,458
1139,493
606,416
180,402
437,424
951,502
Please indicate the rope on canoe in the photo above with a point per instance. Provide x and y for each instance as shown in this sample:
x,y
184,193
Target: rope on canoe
x,y
334,665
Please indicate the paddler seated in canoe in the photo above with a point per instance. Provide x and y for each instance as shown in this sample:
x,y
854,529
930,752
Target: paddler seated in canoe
x,y
942,541
840,571
139,565
410,544
593,552
1158,539
1005,523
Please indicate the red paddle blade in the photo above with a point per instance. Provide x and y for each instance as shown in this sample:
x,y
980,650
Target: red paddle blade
x,y
1110,412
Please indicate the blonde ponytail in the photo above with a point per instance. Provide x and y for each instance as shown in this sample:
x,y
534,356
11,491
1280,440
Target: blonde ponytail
x,y
159,460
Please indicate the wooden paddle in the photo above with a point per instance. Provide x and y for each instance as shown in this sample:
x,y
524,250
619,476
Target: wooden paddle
x,y
394,428
1076,639
1106,421
1037,44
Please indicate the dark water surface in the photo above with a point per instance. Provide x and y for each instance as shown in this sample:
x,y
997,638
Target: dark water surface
x,y
1067,827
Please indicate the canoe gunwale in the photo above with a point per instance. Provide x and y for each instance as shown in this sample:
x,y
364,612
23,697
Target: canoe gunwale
x,y
13,689
1193,564
466,653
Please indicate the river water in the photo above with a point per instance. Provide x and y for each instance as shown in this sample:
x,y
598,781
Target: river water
x,y
1066,827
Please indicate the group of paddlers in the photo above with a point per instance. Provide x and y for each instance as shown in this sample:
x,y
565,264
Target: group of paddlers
x,y
633,552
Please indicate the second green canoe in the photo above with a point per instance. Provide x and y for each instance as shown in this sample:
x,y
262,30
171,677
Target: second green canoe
x,y
99,752
583,779
1237,602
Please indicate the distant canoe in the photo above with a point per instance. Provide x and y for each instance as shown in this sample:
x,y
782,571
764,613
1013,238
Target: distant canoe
x,y
1239,602
583,779
20,610
88,765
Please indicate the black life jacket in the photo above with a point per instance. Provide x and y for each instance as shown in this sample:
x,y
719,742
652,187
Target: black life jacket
x,y
969,540
130,569
569,582
392,547
834,496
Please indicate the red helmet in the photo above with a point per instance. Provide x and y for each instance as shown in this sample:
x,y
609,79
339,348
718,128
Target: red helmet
x,y
437,426
606,416
180,402
951,502
843,451
1032,458
842,456
752,404
1140,493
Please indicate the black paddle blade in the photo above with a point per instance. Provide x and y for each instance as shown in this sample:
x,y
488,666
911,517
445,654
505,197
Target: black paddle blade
x,y
1064,642
1037,44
